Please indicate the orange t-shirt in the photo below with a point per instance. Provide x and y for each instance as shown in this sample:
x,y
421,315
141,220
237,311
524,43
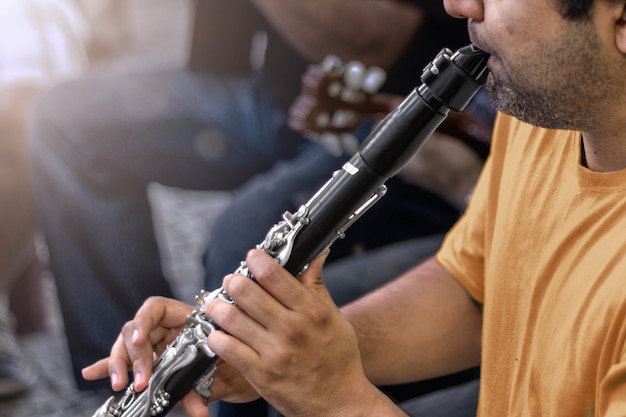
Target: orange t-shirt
x,y
542,246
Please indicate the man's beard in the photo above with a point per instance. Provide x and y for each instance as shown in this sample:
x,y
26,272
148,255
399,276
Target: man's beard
x,y
566,88
537,108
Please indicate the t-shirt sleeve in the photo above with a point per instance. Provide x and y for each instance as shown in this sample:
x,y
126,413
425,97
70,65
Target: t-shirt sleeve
x,y
465,247
462,252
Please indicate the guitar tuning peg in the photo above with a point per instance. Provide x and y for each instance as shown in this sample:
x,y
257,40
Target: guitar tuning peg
x,y
354,75
332,64
342,119
350,95
374,79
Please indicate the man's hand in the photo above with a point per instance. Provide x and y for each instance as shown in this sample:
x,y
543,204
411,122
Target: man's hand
x,y
157,323
143,339
290,341
282,339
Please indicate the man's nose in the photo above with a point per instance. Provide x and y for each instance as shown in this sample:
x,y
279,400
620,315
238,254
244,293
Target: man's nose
x,y
464,9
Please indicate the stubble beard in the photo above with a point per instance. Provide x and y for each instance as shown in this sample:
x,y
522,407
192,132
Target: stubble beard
x,y
563,89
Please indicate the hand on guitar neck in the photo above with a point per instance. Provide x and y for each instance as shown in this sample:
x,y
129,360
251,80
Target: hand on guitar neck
x,y
336,99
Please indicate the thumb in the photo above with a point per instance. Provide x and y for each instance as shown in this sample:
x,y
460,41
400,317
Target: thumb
x,y
312,277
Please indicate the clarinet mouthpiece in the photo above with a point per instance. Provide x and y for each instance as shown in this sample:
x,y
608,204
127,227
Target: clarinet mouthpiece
x,y
473,61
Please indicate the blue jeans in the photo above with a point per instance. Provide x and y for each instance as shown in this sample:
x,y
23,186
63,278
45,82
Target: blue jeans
x,y
95,145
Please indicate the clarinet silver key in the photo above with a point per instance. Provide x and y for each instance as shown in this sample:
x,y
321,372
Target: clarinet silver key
x,y
448,83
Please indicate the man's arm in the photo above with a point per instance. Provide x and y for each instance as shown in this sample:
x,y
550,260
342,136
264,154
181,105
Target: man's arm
x,y
422,325
350,29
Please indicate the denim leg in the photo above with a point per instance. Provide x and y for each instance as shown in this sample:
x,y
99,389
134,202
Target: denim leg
x,y
456,401
459,400
95,145
350,278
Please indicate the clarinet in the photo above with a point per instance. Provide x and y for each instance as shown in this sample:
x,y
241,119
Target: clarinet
x,y
447,83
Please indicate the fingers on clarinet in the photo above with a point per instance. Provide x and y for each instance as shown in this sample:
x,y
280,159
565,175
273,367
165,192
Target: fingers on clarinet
x,y
316,264
127,353
312,278
150,314
118,365
231,350
163,312
195,405
142,359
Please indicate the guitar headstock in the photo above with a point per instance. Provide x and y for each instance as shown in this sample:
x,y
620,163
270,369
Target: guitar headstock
x,y
336,98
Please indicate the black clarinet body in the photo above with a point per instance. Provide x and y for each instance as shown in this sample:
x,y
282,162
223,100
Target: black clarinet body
x,y
448,83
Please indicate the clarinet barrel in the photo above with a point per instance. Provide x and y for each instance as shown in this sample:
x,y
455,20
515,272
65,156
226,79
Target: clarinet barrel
x,y
448,83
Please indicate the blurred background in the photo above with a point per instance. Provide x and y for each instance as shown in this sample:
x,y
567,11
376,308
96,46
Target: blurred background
x,y
43,43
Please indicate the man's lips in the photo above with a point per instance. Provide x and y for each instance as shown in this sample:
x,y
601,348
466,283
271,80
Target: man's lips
x,y
492,56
